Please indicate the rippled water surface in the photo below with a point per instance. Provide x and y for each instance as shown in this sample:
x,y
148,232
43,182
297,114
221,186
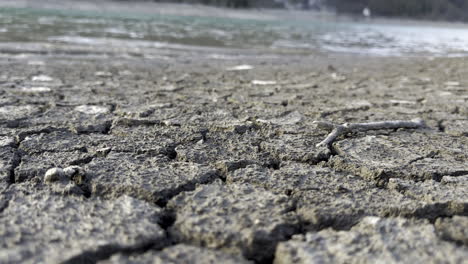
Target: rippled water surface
x,y
307,34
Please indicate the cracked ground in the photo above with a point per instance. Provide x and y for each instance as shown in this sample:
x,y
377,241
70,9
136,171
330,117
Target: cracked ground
x,y
185,160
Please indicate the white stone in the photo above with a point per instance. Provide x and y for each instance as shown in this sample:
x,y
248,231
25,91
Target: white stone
x,y
70,171
371,220
103,151
402,102
242,67
36,89
92,109
53,175
42,78
260,82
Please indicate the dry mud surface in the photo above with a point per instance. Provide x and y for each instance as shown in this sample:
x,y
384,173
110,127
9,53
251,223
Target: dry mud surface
x,y
184,159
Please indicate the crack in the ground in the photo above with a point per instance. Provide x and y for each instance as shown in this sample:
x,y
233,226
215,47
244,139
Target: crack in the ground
x,y
441,126
46,130
166,221
187,187
16,163
105,252
432,154
324,114
431,212
131,122
4,206
458,241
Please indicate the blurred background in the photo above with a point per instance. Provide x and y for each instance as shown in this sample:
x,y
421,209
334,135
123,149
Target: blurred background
x,y
369,27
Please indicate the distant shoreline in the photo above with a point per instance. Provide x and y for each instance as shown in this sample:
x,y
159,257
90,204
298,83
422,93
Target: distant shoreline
x,y
150,7
339,8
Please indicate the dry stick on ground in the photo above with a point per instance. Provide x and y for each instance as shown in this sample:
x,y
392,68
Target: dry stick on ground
x,y
338,130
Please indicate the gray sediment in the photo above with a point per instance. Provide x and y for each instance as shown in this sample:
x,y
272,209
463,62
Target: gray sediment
x,y
154,161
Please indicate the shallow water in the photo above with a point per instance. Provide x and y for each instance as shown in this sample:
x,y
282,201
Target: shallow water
x,y
275,33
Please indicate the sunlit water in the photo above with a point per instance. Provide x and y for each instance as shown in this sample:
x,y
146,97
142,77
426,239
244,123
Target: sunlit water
x,y
22,25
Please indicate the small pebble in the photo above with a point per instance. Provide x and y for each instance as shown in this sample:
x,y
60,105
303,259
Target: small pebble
x,y
36,89
260,82
243,67
42,78
70,171
92,109
103,151
53,175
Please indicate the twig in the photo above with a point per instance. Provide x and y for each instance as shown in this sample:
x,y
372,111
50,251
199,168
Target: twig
x,y
338,130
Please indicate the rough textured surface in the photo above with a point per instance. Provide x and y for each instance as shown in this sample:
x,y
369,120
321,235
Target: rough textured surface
x,y
115,149
446,198
45,228
179,254
453,229
235,218
372,240
418,155
9,159
325,197
144,177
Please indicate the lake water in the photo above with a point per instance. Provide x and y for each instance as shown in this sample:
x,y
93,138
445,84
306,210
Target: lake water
x,y
275,32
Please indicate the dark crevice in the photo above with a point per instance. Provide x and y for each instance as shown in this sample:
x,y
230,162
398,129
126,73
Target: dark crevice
x,y
82,182
432,212
160,198
112,107
15,164
442,234
47,130
324,114
82,161
187,187
273,164
107,128
333,151
441,126
337,222
16,161
457,173
4,206
129,122
223,175
343,223
107,251
166,221
432,154
170,151
226,167
449,239
81,149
